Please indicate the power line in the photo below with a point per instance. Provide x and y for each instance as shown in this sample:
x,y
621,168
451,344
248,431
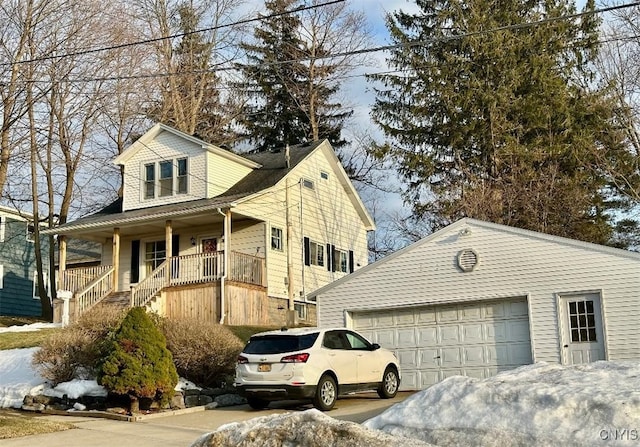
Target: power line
x,y
173,36
423,42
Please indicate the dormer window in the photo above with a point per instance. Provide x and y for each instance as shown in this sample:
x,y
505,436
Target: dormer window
x,y
172,178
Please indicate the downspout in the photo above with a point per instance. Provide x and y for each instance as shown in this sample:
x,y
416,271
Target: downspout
x,y
225,264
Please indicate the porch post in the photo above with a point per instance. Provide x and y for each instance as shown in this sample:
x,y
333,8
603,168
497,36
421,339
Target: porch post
x,y
62,260
116,258
168,239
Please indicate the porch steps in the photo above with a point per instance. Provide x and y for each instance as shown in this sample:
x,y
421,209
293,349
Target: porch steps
x,y
121,300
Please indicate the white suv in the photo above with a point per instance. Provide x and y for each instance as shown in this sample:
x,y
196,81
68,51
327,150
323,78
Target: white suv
x,y
315,364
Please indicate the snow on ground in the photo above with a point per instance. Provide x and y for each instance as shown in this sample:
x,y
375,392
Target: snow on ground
x,y
29,327
542,404
309,428
17,377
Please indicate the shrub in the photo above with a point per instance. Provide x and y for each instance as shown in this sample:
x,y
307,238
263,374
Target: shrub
x,y
75,351
202,352
138,363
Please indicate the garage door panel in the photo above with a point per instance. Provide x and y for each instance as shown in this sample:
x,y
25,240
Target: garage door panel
x,y
473,333
429,358
518,330
428,378
447,314
432,343
448,334
406,338
409,358
474,355
427,336
386,338
496,332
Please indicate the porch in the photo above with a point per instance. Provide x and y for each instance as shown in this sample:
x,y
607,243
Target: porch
x,y
197,279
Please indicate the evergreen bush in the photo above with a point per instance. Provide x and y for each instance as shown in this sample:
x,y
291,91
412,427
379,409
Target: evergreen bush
x,y
138,363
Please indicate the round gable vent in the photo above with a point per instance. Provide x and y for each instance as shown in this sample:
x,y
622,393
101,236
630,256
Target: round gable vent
x,y
467,260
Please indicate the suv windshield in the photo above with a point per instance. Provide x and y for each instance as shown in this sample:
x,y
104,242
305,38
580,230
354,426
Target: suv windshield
x,y
278,344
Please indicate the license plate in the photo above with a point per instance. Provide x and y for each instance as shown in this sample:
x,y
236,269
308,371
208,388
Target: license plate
x,y
264,367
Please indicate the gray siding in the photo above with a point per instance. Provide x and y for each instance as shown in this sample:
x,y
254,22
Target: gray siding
x,y
512,263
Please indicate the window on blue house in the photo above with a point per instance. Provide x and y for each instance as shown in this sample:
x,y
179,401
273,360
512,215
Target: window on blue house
x,y
45,278
3,227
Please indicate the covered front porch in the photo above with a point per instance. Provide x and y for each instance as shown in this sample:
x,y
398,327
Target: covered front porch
x,y
190,265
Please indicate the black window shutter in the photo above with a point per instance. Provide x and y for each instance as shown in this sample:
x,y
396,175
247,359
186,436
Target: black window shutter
x,y
350,261
329,263
175,245
135,261
307,252
333,258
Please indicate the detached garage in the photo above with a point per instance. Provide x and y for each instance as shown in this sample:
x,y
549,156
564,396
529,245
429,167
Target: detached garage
x,y
477,298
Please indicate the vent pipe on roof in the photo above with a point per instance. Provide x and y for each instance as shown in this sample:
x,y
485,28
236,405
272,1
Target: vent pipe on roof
x,y
287,157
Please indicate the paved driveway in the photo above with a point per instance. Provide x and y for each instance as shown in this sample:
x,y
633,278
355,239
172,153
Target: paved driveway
x,y
181,430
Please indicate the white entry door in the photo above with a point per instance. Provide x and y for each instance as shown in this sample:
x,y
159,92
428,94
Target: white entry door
x,y
582,335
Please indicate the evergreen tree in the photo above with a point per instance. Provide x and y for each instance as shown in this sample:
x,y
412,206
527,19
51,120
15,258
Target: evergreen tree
x,y
138,363
491,118
291,93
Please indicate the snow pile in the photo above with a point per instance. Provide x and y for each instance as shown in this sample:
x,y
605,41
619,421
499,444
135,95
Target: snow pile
x,y
539,404
76,388
30,327
17,377
309,428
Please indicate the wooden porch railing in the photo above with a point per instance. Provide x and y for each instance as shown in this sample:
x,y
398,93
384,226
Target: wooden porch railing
x,y
150,286
94,291
76,279
197,269
247,269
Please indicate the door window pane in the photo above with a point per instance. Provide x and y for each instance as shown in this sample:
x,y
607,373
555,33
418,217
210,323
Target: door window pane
x,y
582,321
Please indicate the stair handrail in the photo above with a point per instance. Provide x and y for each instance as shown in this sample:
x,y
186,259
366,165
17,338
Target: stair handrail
x,y
149,287
94,292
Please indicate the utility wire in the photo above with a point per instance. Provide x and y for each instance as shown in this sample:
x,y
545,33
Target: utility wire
x,y
173,36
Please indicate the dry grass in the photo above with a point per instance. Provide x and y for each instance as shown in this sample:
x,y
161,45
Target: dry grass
x,y
14,424
16,340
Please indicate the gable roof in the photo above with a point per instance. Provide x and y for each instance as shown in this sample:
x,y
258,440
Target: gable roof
x,y
272,170
156,130
467,221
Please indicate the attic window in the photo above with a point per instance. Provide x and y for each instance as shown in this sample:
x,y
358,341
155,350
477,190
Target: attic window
x,y
324,175
31,230
467,260
307,183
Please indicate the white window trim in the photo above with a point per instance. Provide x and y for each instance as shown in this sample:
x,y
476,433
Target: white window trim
x,y
157,178
280,246
30,236
1,276
3,227
45,278
301,310
319,249
307,183
339,254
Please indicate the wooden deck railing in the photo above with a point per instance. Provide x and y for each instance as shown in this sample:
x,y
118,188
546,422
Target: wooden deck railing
x,y
76,279
247,269
94,291
92,284
151,285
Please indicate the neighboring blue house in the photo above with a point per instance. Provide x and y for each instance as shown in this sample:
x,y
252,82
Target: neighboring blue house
x,y
18,287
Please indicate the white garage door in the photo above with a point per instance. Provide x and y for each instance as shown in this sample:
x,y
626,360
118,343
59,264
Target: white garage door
x,y
432,343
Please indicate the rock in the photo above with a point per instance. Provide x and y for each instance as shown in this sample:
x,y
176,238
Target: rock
x,y
211,406
42,399
191,401
177,401
191,392
28,400
34,407
226,400
205,400
214,392
78,406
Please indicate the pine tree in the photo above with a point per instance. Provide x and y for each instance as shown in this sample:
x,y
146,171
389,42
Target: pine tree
x,y
291,93
490,116
138,363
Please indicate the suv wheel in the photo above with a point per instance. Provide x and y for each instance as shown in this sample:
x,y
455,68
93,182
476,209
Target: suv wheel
x,y
257,404
389,386
326,393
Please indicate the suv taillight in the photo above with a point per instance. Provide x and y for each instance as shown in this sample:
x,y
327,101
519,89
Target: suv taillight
x,y
295,358
242,359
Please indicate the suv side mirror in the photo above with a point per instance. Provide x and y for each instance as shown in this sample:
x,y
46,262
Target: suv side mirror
x,y
375,346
